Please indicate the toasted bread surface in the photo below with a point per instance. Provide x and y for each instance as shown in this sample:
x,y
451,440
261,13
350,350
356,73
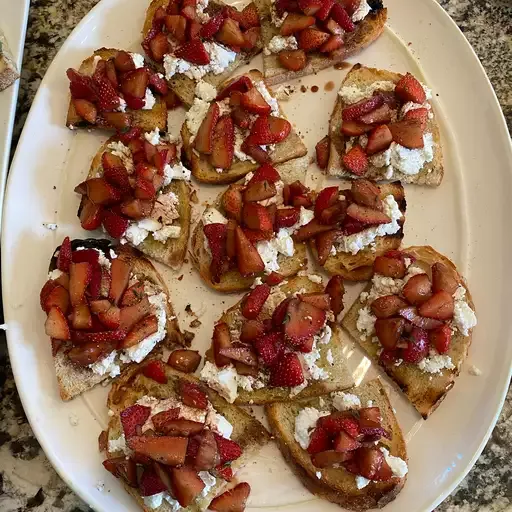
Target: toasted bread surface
x,y
359,76
181,84
339,374
146,120
425,390
366,32
247,431
291,148
172,252
359,267
74,380
337,484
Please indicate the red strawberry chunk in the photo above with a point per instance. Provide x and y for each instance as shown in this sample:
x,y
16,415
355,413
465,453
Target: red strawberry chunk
x,y
366,105
345,443
340,421
319,441
274,278
418,113
150,483
325,10
65,255
340,16
192,395
249,16
418,347
211,27
114,224
304,321
265,172
441,338
254,302
356,160
224,472
270,347
409,89
193,51
81,86
233,500
287,371
242,84
254,102
326,198
133,417
155,370
269,130
228,450
215,233
286,217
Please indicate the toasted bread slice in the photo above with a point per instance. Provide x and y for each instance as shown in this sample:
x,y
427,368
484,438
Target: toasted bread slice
x,y
233,281
74,380
359,267
146,120
366,32
340,376
181,84
337,484
425,390
359,76
8,69
292,147
248,432
172,251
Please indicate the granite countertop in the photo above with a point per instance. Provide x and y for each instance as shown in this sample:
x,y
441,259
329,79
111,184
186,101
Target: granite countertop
x,y
28,481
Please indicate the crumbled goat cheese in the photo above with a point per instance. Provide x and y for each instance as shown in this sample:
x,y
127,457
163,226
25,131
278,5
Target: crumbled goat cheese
x,y
50,226
353,93
366,321
330,357
200,8
318,474
73,420
361,482
123,152
205,91
100,486
195,115
149,100
324,336
176,172
217,422
297,389
280,43
153,137
55,274
397,465
118,445
138,60
361,12
473,370
213,216
464,317
222,380
309,360
436,363
107,366
305,422
239,139
345,401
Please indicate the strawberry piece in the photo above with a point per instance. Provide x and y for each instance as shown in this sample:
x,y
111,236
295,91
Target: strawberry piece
x,y
164,449
251,330
131,315
249,261
441,338
118,120
304,321
256,216
80,317
340,16
257,153
207,455
171,100
120,274
367,215
114,224
366,193
181,427
407,133
79,277
311,39
216,235
310,230
324,243
212,26
86,110
81,86
379,139
444,278
185,361
319,300
204,138
100,191
355,160
296,23
56,325
252,101
98,337
133,417
224,472
389,267
230,33
108,99
186,485
159,46
380,115
389,330
234,500
123,468
310,7
336,291
146,327
157,83
155,370
326,198
192,395
322,150
136,208
384,473
253,303
369,461
420,114
330,458
241,354
194,52
228,450
269,130
279,314
345,443
409,89
144,189
294,60
65,254
350,6
242,84
418,347
134,84
286,217
286,372
251,37
110,318
259,191
150,483
123,62
176,26
223,143
230,239
189,12
355,111
340,422
162,418
88,353
286,6
240,117
221,339
118,176
249,17
265,172
418,289
257,236
325,9
319,441
354,128
270,347
351,226
387,306
439,307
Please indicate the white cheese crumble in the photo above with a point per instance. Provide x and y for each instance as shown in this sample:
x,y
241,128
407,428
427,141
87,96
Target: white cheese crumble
x,y
473,370
195,115
123,152
239,139
153,137
435,363
330,357
222,380
361,12
280,43
262,88
138,60
118,445
361,482
213,216
309,360
464,317
398,466
55,274
345,401
305,422
354,93
205,91
366,322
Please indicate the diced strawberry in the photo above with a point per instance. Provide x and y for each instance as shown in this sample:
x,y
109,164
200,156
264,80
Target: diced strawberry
x,y
286,6
194,52
123,468
233,500
225,472
251,330
407,133
310,230
81,86
228,450
340,16
150,483
345,443
251,37
326,198
133,417
310,7
258,191
159,46
421,114
366,193
270,347
389,267
388,331
204,138
80,317
367,215
256,216
322,152
114,224
330,458
54,296
140,331
230,33
296,23
311,39
65,254
249,261
160,419
324,243
319,441
134,84
186,485
441,338
108,98
254,102
212,26
369,461
279,314
411,314
131,315
356,110
269,130
164,449
185,361
409,89
444,278
157,83
180,427
176,26
439,307
379,139
286,217
287,371
123,61
242,84
294,60
100,337
304,321
418,346
418,289
120,274
155,370
325,9
223,143
387,306
380,115
216,233
253,303
207,455
354,128
192,395
100,191
319,300
56,325
221,339
356,161
79,277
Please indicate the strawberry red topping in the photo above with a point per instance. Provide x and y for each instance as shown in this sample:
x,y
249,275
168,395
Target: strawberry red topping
x,y
155,370
254,301
133,417
233,500
228,450
192,395
287,371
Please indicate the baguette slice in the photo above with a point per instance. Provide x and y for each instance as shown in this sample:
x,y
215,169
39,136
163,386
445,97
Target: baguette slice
x,y
74,380
338,485
248,432
366,32
146,120
8,69
233,281
340,376
292,147
359,76
172,252
359,267
184,86
425,390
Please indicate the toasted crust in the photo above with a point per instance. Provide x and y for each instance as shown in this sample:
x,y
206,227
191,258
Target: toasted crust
x,y
74,380
338,485
247,431
339,375
366,33
425,390
432,172
172,252
291,148
146,120
359,267
9,73
184,86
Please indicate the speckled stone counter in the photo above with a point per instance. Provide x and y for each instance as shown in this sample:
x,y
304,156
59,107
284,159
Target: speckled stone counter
x,y
27,480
